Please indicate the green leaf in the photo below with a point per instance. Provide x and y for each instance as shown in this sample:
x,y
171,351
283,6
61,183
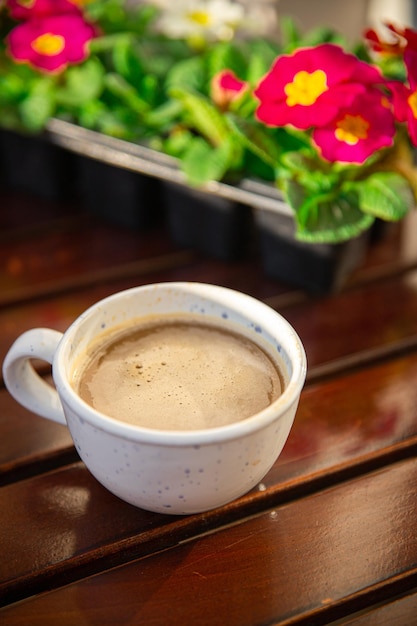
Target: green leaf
x,y
127,61
326,218
254,167
260,56
257,67
107,43
176,144
119,15
300,159
223,56
203,116
163,116
256,139
386,195
39,106
307,169
90,113
322,34
114,120
82,83
12,88
126,93
188,74
203,163
290,33
293,38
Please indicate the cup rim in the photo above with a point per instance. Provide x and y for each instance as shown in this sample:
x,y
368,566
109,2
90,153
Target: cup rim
x,y
218,434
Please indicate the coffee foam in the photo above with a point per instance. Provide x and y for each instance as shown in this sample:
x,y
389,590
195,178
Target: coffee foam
x,y
181,376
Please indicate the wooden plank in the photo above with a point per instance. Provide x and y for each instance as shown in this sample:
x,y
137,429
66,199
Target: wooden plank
x,y
23,213
76,254
392,253
400,612
343,428
59,522
361,419
30,445
308,562
377,316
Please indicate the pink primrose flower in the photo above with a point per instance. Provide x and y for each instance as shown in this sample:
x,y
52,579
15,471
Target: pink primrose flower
x,y
405,96
400,39
51,43
28,9
392,47
309,87
226,88
359,130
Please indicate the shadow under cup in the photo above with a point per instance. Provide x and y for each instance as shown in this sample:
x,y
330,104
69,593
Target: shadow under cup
x,y
181,472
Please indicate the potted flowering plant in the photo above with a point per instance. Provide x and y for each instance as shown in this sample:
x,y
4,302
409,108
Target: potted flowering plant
x,y
109,66
329,131
60,59
330,128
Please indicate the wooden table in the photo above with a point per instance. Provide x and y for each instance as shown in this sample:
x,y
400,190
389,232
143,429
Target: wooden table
x,y
330,536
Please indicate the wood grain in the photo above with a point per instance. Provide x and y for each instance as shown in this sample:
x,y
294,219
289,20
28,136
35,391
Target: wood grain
x,y
400,612
29,444
299,563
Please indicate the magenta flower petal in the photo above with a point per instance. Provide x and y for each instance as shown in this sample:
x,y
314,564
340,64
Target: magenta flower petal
x,y
226,87
300,88
410,60
405,97
400,94
51,43
228,81
400,39
28,9
358,131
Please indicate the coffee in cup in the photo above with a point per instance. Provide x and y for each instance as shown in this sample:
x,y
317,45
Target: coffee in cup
x,y
177,373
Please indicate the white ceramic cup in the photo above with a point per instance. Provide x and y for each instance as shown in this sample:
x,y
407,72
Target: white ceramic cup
x,y
176,472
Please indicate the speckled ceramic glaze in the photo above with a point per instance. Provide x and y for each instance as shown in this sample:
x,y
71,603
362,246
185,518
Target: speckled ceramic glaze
x,y
165,471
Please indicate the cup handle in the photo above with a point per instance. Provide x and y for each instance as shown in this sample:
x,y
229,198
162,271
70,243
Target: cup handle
x,y
22,380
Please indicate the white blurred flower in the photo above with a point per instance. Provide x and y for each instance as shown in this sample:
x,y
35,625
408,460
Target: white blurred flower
x,y
207,20
261,19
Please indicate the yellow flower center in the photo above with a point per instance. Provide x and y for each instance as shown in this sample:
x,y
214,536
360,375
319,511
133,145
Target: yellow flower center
x,y
412,103
202,18
306,88
28,4
48,44
352,129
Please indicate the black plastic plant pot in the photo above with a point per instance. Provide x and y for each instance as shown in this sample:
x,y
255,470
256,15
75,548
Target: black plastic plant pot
x,y
119,196
319,269
215,226
31,163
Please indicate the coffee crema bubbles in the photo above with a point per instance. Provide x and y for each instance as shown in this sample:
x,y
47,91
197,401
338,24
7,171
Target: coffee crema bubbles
x,y
177,373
